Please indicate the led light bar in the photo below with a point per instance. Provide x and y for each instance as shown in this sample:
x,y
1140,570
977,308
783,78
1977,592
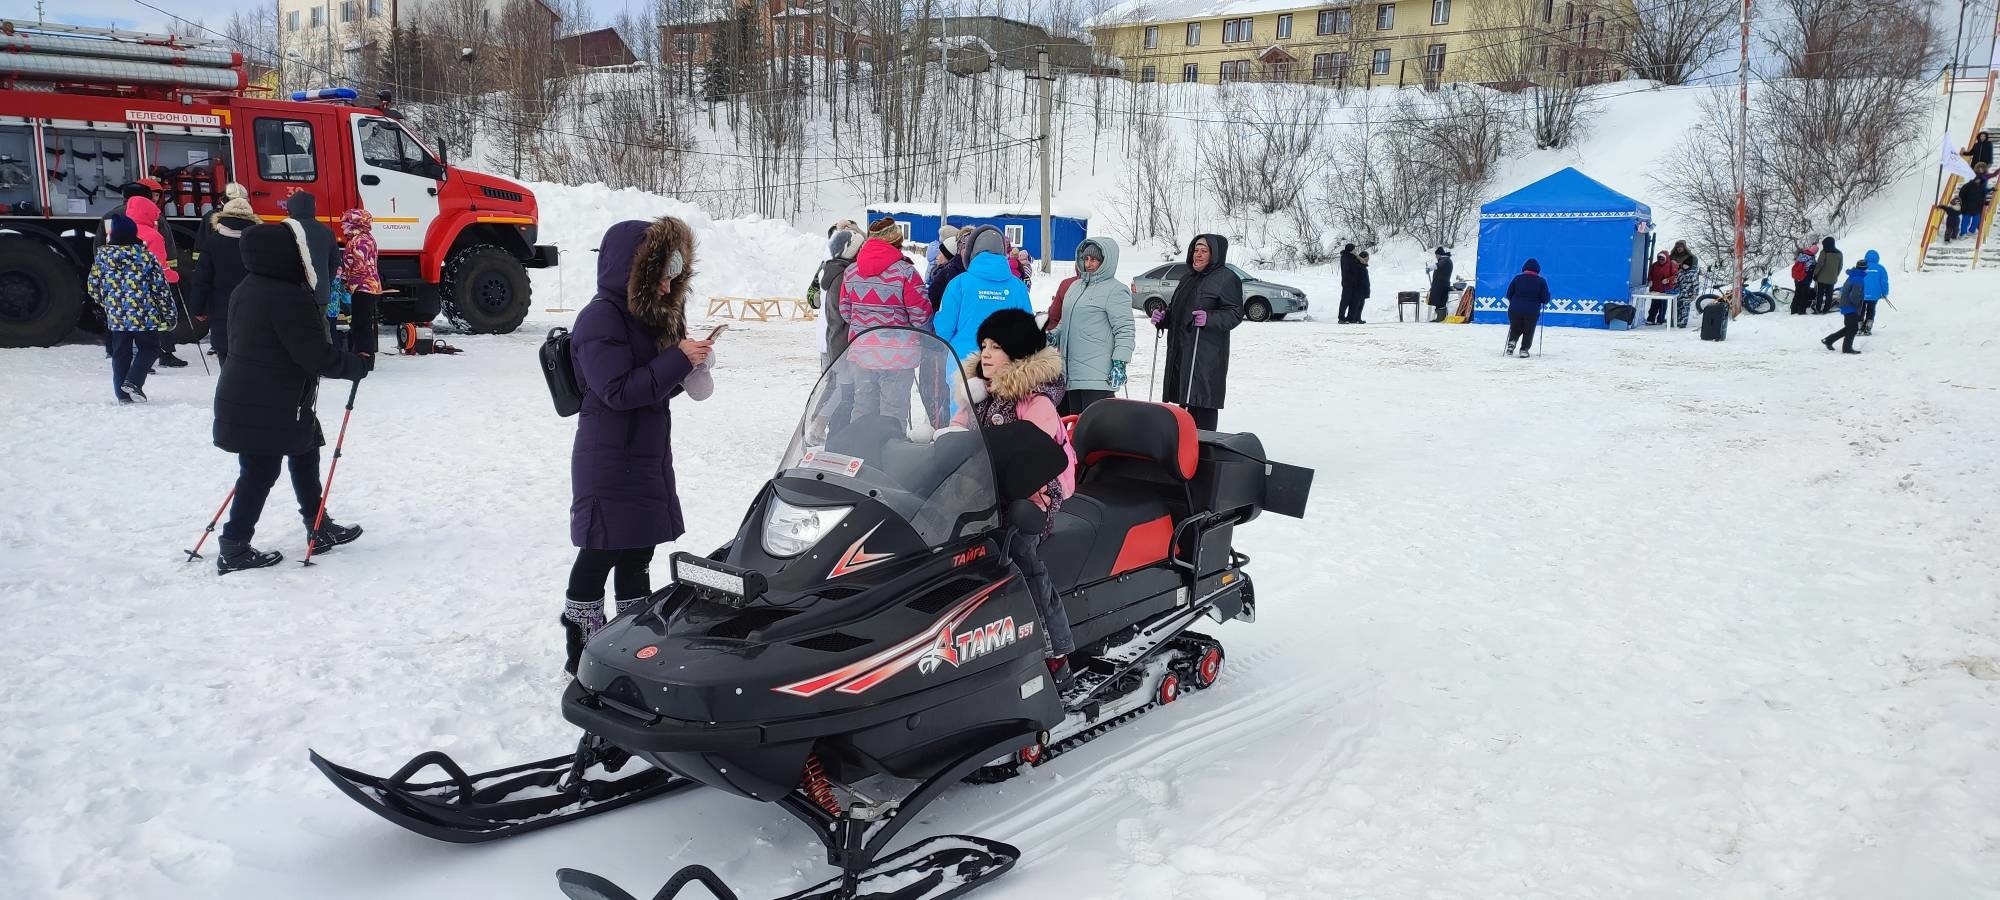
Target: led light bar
x,y
739,585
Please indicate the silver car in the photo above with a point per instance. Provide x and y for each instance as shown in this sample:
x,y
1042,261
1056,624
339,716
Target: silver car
x,y
1261,299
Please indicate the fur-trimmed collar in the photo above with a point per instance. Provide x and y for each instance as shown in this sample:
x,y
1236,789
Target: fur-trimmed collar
x,y
1025,376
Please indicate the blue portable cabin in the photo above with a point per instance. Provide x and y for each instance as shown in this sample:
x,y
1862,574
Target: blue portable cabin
x,y
1022,223
1592,242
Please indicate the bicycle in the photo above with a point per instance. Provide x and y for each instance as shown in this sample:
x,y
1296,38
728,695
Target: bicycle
x,y
1756,303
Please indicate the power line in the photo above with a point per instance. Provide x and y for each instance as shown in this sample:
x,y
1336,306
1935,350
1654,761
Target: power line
x,y
545,129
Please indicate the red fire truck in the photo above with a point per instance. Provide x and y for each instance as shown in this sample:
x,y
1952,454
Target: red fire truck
x,y
83,112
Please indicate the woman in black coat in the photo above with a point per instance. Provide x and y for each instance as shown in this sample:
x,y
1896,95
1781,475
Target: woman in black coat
x,y
1207,304
1353,286
1441,284
218,269
265,401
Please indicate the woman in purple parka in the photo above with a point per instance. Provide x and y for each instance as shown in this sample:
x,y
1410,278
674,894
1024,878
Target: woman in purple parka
x,y
632,354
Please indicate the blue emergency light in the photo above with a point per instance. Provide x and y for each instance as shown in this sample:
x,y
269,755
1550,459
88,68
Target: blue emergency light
x,y
339,93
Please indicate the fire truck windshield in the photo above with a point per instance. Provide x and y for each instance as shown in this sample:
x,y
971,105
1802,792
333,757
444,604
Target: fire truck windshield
x,y
386,145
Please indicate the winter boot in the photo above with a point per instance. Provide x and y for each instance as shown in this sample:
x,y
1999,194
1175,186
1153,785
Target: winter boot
x,y
172,362
1524,353
1509,351
581,619
1060,671
133,392
330,535
239,555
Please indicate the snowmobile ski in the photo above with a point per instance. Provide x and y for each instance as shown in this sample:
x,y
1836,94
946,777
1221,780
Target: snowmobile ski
x,y
934,869
471,809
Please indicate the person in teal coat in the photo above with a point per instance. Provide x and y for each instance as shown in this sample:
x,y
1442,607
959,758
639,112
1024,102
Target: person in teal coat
x,y
987,287
1874,289
1095,336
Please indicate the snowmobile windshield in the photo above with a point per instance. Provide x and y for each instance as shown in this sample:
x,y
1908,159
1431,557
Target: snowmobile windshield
x,y
884,423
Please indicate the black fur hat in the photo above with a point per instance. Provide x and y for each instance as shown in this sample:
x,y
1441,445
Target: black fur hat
x,y
1015,331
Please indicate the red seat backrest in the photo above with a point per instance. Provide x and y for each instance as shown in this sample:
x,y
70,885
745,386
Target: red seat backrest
x,y
1160,433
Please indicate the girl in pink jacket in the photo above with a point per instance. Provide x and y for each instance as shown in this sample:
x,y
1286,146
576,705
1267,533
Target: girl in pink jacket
x,y
1018,377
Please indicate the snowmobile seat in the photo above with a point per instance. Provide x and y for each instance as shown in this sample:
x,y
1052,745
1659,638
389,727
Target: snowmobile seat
x,y
1136,459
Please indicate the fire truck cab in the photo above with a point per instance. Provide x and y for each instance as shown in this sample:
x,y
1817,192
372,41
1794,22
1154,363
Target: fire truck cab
x,y
84,112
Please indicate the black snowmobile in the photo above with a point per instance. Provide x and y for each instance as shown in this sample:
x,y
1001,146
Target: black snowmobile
x,y
864,643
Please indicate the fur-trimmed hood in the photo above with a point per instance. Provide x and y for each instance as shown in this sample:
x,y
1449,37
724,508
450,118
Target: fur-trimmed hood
x,y
1041,373
664,312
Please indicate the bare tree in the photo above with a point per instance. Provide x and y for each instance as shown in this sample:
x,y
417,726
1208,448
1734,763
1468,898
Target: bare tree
x,y
528,74
1668,41
1546,66
1706,190
1439,151
1849,98
449,83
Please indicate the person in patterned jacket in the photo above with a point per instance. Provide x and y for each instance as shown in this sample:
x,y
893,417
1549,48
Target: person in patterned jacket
x,y
883,290
359,272
130,285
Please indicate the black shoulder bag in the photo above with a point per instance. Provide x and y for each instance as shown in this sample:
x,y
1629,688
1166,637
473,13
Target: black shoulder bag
x,y
560,370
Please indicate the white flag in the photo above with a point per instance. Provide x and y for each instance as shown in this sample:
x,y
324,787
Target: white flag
x,y
1952,162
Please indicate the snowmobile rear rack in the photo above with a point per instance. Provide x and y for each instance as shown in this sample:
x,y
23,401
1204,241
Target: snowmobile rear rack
x,y
933,869
471,809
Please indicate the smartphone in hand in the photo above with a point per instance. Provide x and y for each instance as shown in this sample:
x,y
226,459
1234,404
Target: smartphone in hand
x,y
719,329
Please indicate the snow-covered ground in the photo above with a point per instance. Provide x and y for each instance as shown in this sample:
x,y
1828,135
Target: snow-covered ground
x,y
1645,617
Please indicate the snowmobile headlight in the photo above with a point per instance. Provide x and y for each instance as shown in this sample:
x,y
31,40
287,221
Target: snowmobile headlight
x,y
791,530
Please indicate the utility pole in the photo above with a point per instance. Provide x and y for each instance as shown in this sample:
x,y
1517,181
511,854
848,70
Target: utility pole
x,y
1048,230
944,114
1742,143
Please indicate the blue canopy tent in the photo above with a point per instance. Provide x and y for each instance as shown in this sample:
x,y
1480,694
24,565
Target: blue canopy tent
x,y
1592,242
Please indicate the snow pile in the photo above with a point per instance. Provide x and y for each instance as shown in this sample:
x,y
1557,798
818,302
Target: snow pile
x,y
748,257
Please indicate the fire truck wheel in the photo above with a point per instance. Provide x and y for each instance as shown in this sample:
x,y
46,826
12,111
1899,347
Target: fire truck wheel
x,y
41,295
485,290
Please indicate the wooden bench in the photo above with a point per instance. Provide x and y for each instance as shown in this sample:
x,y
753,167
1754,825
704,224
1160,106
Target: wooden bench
x,y
723,306
802,311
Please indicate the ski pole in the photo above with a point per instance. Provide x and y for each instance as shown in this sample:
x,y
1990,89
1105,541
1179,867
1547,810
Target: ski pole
x,y
320,517
196,552
1153,375
1194,334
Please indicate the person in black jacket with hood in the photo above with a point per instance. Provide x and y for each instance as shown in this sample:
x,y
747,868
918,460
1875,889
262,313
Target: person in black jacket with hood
x,y
1526,295
1441,284
279,349
1207,304
218,268
303,208
1353,285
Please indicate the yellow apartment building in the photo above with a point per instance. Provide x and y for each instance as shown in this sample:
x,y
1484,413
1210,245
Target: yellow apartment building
x,y
1356,44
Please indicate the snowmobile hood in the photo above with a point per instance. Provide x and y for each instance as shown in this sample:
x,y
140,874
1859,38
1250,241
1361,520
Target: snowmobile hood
x,y
876,257
1107,271
1218,251
615,254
